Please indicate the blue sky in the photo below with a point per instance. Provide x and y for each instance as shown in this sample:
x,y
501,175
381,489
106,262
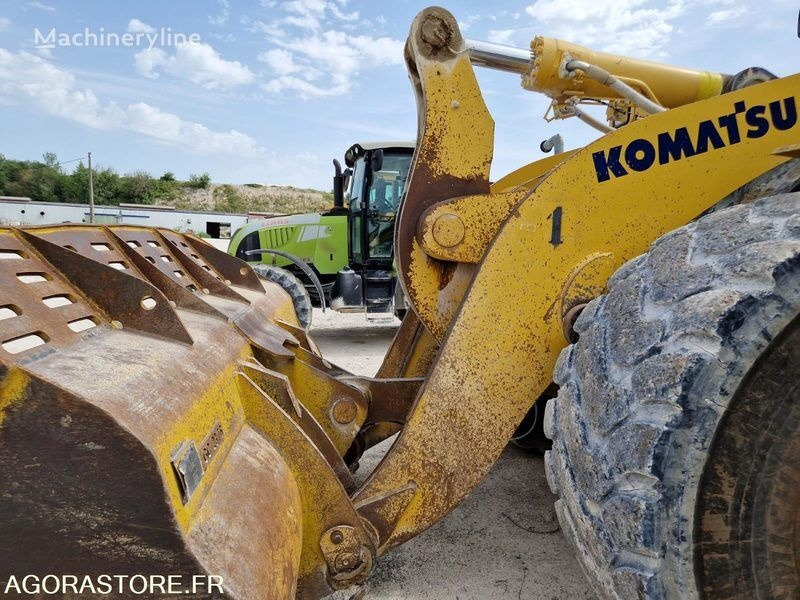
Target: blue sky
x,y
274,89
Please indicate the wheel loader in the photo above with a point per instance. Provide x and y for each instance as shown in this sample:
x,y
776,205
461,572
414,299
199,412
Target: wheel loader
x,y
161,411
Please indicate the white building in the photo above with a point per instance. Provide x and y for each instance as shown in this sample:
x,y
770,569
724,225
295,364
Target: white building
x,y
16,211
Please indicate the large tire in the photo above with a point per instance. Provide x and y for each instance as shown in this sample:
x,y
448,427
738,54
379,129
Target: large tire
x,y
293,286
676,430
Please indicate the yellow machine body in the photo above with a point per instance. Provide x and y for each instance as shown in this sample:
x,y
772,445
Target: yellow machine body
x,y
666,85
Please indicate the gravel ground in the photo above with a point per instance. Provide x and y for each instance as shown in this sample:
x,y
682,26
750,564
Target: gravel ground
x,y
502,542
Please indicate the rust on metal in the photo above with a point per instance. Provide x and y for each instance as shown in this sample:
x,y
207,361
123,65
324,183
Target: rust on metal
x,y
325,502
130,300
397,356
452,158
176,292
475,221
202,274
277,388
233,270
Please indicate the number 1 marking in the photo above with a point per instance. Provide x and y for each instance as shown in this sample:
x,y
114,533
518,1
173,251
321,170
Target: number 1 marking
x,y
555,232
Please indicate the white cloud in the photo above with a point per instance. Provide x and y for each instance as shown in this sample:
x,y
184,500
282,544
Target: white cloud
x,y
726,14
137,26
501,36
310,14
4,23
305,14
222,17
280,61
353,16
468,21
40,6
27,78
198,63
637,27
311,57
304,88
341,55
148,60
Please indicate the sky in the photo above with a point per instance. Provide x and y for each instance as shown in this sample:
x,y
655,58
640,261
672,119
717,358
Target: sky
x,y
269,91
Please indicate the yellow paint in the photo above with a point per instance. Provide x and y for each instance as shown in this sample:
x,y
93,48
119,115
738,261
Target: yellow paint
x,y
669,85
498,355
325,503
530,175
586,281
219,403
456,141
12,389
453,119
480,218
317,391
710,84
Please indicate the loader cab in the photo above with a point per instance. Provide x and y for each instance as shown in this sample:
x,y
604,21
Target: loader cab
x,y
378,173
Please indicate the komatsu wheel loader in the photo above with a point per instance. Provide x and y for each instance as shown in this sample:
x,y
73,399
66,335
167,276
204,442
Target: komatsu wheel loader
x,y
161,411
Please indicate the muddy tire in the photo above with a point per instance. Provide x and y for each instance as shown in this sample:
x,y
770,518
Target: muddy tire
x,y
676,430
293,286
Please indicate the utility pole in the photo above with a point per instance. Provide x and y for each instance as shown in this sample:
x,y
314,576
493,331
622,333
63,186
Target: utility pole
x,y
91,191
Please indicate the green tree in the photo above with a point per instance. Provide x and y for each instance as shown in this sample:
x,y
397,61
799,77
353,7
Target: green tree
x,y
106,186
51,160
199,181
75,187
136,188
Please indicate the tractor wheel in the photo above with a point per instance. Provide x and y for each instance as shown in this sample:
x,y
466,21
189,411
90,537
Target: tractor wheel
x,y
292,286
676,430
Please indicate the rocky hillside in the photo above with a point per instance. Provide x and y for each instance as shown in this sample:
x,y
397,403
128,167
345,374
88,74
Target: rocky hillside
x,y
47,181
252,198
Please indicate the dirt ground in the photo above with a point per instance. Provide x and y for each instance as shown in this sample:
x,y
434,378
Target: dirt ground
x,y
502,542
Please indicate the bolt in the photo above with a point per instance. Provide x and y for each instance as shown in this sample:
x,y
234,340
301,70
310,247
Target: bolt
x,y
344,411
337,537
435,32
448,230
347,562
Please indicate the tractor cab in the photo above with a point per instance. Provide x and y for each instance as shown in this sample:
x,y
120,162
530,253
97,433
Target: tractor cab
x,y
371,188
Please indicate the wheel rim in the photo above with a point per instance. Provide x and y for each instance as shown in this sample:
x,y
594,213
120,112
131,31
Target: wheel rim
x,y
748,511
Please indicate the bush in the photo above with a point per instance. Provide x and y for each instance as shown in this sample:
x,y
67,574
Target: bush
x,y
199,181
227,199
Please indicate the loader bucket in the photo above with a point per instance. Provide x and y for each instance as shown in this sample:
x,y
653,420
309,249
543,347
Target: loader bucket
x,y
162,412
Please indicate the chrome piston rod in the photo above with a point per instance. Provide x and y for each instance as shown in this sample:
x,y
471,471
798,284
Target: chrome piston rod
x,y
499,56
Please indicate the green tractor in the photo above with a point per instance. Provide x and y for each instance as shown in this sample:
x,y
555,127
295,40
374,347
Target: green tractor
x,y
342,258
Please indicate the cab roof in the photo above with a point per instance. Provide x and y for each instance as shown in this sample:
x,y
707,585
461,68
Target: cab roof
x,y
357,149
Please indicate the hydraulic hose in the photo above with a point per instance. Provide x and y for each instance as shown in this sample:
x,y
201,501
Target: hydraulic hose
x,y
623,89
